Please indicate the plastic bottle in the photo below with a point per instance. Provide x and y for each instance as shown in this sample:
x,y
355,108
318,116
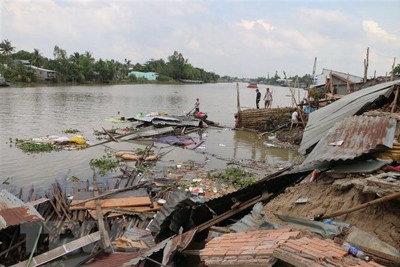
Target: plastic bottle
x,y
356,252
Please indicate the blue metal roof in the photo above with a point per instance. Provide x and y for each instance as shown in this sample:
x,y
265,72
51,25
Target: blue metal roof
x,y
323,119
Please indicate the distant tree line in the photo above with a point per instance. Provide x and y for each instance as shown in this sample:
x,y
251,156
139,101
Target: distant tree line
x,y
84,68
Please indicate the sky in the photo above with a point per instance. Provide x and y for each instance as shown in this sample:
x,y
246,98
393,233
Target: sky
x,y
241,38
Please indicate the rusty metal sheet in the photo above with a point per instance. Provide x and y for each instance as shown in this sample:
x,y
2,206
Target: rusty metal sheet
x,y
353,137
321,120
14,211
177,243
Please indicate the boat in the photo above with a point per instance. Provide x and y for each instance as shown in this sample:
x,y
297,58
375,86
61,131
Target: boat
x,y
252,85
191,81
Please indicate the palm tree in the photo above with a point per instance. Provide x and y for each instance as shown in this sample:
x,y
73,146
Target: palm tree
x,y
37,58
6,49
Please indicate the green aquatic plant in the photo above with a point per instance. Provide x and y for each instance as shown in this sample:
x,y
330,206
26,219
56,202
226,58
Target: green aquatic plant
x,y
104,164
71,131
238,177
33,147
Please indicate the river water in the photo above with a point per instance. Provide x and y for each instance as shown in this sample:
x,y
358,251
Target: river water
x,y
28,112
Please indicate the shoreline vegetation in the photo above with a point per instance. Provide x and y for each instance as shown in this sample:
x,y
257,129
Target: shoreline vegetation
x,y
77,68
22,67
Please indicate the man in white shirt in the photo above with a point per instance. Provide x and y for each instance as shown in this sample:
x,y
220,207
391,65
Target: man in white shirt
x,y
295,119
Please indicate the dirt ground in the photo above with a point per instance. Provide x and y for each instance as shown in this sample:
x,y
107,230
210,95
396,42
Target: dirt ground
x,y
290,137
326,197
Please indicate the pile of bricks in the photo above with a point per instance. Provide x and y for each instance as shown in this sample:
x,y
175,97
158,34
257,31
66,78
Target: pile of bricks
x,y
313,252
265,247
252,248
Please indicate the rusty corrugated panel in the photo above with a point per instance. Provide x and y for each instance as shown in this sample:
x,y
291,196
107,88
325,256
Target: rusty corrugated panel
x,y
321,120
14,211
178,243
352,137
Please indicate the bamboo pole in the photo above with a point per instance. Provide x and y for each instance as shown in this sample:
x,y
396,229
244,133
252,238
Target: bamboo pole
x,y
366,61
396,97
34,247
295,102
237,98
110,140
363,206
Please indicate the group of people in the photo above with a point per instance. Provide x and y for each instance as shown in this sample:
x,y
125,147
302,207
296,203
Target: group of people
x,y
296,115
295,120
267,98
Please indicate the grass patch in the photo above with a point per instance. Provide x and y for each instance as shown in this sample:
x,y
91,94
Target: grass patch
x,y
238,177
71,131
104,164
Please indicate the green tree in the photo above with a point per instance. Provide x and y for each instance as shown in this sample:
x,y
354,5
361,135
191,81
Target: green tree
x,y
6,49
176,63
62,66
396,70
36,59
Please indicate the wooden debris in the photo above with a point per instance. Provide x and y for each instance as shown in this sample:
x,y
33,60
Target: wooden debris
x,y
113,203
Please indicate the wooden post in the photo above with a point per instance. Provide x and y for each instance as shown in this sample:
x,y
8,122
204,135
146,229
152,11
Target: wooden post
x,y
295,102
238,119
366,61
237,97
396,97
394,63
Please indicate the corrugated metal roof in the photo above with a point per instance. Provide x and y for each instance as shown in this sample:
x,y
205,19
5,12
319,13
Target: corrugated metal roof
x,y
175,201
353,137
14,211
253,221
151,118
321,120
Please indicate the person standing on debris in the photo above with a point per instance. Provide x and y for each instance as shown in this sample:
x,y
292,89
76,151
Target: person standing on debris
x,y
258,98
267,98
295,119
197,106
307,110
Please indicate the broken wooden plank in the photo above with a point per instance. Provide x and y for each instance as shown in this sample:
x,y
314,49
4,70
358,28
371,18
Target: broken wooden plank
x,y
126,210
38,201
115,202
78,202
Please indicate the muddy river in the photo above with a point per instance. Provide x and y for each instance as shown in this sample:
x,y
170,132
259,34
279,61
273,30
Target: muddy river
x,y
28,112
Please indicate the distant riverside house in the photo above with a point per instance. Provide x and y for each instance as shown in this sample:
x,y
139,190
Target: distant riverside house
x,y
284,82
44,74
41,74
338,82
151,76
